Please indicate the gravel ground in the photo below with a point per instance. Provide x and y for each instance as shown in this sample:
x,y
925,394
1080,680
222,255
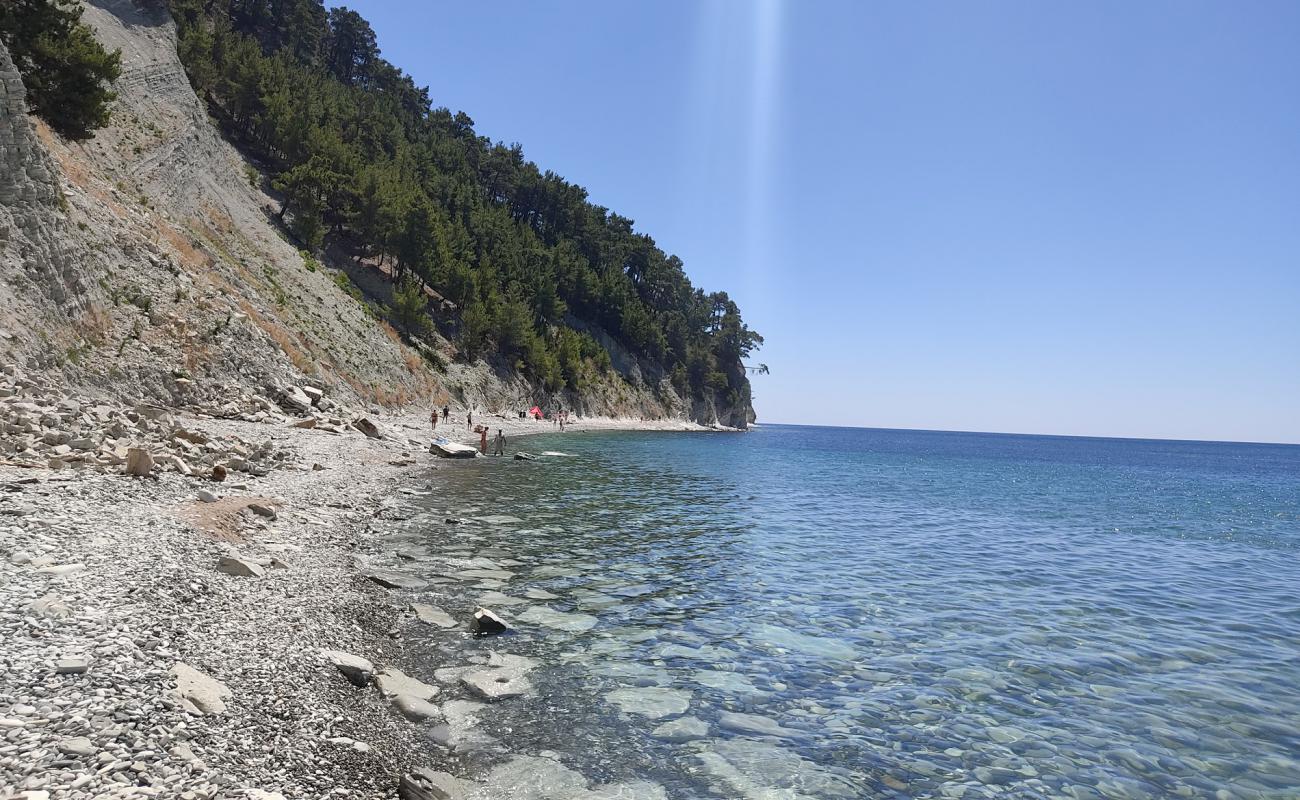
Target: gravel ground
x,y
108,582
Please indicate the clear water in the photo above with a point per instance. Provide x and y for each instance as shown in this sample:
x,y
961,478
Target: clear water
x,y
913,614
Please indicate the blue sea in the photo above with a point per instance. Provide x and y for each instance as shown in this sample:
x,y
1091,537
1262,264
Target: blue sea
x,y
806,612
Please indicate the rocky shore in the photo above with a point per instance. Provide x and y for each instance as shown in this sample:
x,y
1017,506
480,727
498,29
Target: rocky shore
x,y
193,604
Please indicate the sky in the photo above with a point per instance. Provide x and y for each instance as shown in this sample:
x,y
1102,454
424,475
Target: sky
x,y
1028,217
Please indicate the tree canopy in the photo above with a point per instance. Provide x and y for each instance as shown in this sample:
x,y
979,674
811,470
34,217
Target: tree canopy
x,y
65,70
359,152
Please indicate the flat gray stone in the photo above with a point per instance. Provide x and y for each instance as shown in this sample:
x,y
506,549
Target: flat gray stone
x,y
684,729
396,580
199,693
71,666
234,565
394,683
59,570
356,669
753,724
432,615
558,620
79,746
497,684
416,709
426,784
650,701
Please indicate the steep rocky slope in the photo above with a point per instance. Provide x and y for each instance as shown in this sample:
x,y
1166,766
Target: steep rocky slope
x,y
145,264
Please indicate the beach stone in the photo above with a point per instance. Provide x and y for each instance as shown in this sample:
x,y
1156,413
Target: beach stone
x,y
415,709
139,462
71,666
233,565
356,669
683,729
485,622
432,615
753,724
79,746
262,510
650,701
426,784
206,496
558,620
49,606
61,569
295,399
499,599
367,427
200,693
497,684
219,473
532,778
393,682
396,580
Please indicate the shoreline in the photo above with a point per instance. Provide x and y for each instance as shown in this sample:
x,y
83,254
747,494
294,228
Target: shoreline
x,y
118,577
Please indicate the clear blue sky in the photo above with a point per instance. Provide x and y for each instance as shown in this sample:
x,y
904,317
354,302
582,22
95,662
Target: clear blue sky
x,y
1073,218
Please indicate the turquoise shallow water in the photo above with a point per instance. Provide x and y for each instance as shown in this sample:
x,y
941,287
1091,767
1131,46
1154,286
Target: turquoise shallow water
x,y
862,613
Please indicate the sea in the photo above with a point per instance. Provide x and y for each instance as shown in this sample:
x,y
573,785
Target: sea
x,y
815,612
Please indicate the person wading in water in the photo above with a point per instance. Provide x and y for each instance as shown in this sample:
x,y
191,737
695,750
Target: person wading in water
x,y
482,441
499,445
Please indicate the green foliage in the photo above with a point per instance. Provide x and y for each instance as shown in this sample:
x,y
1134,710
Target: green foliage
x,y
410,310
65,71
357,150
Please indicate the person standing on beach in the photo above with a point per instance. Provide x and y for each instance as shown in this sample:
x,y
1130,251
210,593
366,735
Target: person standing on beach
x,y
433,419
499,448
469,420
482,440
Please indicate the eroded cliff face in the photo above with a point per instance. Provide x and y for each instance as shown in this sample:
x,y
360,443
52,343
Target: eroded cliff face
x,y
40,263
145,264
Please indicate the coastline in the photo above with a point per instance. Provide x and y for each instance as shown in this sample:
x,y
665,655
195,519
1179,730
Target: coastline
x,y
121,572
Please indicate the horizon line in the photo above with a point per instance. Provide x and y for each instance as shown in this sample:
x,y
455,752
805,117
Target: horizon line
x,y
760,424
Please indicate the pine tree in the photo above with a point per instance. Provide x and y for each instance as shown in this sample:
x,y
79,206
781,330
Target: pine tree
x,y
65,70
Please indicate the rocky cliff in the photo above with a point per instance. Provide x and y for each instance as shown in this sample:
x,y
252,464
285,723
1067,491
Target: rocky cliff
x,y
146,263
